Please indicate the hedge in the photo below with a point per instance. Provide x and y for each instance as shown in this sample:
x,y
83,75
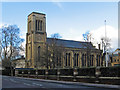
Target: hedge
x,y
86,71
110,71
41,72
32,72
25,71
67,72
105,71
52,72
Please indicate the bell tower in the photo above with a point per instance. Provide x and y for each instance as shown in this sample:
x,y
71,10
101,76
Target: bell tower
x,y
35,39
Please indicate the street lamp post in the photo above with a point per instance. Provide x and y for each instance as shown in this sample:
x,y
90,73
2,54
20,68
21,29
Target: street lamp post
x,y
106,59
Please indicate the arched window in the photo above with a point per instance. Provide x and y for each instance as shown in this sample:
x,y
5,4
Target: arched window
x,y
88,60
85,60
69,59
60,61
36,26
66,60
29,26
97,60
82,60
92,60
39,53
57,61
40,25
75,59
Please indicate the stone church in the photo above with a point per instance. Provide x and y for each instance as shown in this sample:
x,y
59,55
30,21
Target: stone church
x,y
75,53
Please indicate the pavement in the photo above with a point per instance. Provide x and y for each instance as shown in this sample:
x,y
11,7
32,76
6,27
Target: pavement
x,y
22,82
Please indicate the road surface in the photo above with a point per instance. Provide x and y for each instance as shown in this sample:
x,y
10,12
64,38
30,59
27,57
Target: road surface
x,y
16,82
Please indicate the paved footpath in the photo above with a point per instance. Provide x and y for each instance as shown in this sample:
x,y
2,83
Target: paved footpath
x,y
20,82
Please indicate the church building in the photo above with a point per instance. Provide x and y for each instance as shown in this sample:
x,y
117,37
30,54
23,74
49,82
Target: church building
x,y
71,53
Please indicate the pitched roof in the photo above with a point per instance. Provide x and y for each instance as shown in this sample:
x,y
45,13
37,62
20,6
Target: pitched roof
x,y
115,55
71,43
117,51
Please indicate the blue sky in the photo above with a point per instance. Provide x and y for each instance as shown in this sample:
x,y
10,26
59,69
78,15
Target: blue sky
x,y
70,19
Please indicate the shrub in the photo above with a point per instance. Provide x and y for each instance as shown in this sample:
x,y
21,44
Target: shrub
x,y
41,72
32,72
19,71
110,71
86,72
67,72
6,72
25,71
52,72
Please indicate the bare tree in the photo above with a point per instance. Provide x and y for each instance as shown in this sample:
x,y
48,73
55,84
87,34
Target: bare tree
x,y
57,50
53,52
56,36
45,56
106,45
88,39
10,43
87,36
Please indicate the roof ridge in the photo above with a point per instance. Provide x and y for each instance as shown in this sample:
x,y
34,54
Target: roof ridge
x,y
72,43
68,40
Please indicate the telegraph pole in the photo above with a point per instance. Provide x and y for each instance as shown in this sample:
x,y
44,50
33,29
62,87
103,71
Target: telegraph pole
x,y
106,59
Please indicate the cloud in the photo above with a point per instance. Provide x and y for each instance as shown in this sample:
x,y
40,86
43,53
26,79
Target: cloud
x,y
57,3
111,33
23,36
76,34
23,45
72,34
97,34
1,25
4,25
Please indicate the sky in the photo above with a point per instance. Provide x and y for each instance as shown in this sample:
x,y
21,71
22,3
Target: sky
x,y
69,19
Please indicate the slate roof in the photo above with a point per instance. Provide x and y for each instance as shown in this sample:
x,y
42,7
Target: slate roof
x,y
71,43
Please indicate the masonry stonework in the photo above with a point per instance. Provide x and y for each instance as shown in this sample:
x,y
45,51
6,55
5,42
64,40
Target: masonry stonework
x,y
76,51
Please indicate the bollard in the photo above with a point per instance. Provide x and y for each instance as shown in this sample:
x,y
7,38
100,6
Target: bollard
x,y
36,74
58,74
46,74
97,74
75,73
22,73
28,74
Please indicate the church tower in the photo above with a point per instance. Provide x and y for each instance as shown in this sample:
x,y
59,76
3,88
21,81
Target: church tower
x,y
35,39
